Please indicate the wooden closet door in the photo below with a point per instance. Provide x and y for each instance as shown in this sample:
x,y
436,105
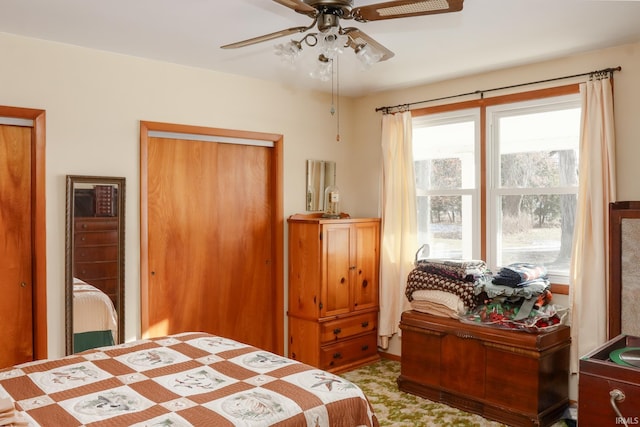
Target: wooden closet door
x,y
16,333
210,241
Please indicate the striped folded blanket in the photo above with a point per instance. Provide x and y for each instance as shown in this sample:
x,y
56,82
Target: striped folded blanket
x,y
468,271
419,279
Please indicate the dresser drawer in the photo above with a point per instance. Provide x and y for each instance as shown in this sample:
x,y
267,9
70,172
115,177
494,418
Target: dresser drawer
x,y
95,270
342,353
96,224
96,238
334,330
594,402
96,253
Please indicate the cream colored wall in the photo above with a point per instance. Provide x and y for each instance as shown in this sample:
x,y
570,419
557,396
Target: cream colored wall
x,y
94,101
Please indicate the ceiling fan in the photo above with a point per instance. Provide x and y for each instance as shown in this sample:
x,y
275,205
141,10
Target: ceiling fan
x,y
326,15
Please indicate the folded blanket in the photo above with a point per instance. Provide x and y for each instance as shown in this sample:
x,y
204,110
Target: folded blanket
x,y
419,279
438,303
434,309
519,274
9,416
533,289
457,269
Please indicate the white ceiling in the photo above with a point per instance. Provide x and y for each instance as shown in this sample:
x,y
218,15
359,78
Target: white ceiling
x,y
485,35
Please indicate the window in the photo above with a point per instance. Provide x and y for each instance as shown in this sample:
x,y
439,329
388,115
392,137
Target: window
x,y
504,190
446,163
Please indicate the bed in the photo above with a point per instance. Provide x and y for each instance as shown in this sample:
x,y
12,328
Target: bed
x,y
95,321
188,379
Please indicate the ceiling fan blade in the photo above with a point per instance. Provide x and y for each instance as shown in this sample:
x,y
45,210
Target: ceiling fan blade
x,y
265,37
404,8
299,6
359,38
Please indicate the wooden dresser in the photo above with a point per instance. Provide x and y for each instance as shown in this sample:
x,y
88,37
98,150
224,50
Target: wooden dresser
x,y
95,249
517,378
333,291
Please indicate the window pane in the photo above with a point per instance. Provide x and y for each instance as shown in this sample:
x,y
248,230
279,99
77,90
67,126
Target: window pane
x,y
539,150
445,224
537,229
444,156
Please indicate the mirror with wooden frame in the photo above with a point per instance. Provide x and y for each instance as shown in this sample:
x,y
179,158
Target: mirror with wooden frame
x,y
94,258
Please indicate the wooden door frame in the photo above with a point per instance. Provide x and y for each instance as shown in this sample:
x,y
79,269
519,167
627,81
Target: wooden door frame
x,y
278,225
38,223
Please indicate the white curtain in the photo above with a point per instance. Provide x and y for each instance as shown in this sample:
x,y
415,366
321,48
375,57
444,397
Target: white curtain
x,y
399,224
589,261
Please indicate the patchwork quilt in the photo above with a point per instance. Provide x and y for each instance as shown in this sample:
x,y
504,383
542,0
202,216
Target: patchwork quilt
x,y
188,379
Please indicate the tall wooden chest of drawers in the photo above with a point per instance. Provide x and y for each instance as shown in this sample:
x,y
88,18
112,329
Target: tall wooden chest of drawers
x,y
517,378
95,257
333,291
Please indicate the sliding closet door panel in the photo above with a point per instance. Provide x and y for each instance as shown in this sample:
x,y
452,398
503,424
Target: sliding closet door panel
x,y
16,280
210,242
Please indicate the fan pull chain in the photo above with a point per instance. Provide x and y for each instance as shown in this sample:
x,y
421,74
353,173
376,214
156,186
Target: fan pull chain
x,y
333,103
338,99
335,94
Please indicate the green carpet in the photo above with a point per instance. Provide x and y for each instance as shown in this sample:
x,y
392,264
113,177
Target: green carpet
x,y
396,408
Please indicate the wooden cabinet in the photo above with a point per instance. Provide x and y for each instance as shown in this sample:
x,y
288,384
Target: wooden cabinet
x,y
517,378
599,378
95,246
333,291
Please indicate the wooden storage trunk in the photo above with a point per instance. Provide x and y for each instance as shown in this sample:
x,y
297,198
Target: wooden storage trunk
x,y
517,378
599,376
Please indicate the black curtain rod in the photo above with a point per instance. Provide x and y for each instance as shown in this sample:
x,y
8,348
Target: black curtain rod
x,y
407,106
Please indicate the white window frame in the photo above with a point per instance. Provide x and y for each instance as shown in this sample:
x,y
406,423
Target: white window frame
x,y
494,190
458,116
485,244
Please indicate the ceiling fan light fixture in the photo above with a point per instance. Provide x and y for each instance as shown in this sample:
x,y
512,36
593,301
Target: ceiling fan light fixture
x,y
367,55
289,51
331,38
323,69
331,42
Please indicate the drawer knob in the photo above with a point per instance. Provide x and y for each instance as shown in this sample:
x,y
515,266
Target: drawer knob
x,y
365,347
336,331
342,280
365,283
365,324
337,355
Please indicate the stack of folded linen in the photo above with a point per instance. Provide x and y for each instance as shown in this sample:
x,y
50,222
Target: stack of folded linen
x,y
521,274
446,288
517,297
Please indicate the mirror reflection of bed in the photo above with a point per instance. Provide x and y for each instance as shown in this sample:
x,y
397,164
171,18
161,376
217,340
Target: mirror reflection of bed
x,y
95,320
94,262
